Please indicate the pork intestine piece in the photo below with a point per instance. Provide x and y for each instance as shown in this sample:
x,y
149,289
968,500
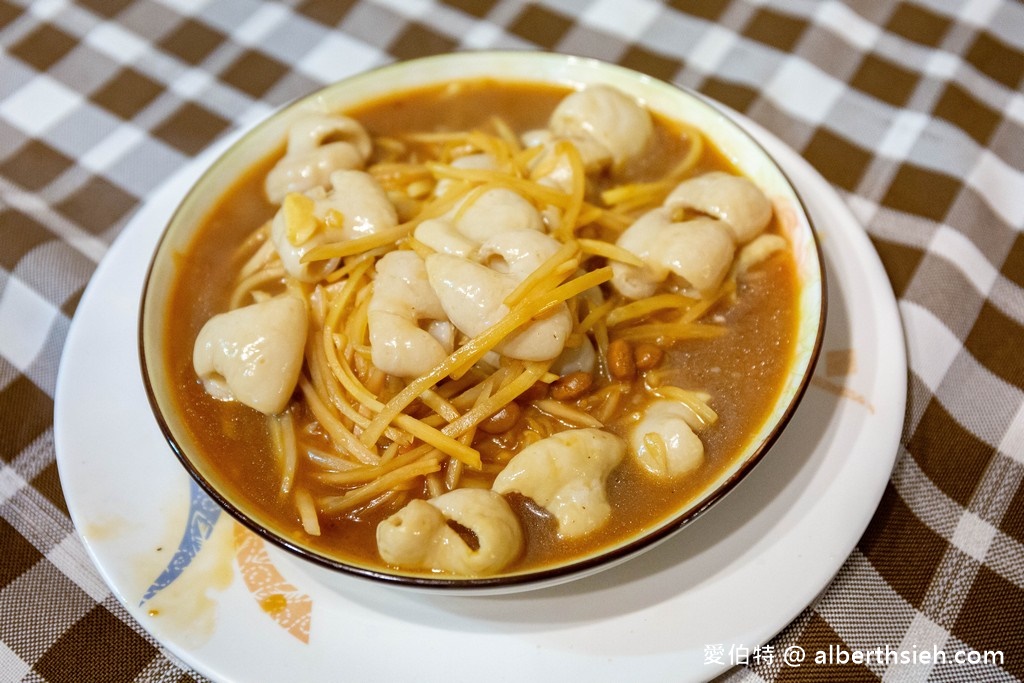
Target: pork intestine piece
x,y
419,535
694,235
354,206
567,475
318,145
472,294
402,298
608,127
698,251
462,229
253,354
677,450
732,199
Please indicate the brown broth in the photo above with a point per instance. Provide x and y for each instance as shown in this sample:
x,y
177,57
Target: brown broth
x,y
742,370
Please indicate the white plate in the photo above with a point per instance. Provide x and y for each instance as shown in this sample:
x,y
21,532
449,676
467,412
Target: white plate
x,y
241,610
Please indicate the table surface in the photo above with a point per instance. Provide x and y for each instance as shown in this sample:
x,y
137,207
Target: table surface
x,y
912,111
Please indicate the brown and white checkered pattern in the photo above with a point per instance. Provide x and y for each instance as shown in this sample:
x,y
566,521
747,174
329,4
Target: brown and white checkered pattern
x,y
913,110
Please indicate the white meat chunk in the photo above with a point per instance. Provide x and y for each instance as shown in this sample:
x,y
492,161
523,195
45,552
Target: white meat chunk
x,y
663,441
253,354
467,225
444,237
472,294
608,126
698,251
497,211
401,299
581,358
419,536
355,206
732,199
318,145
567,475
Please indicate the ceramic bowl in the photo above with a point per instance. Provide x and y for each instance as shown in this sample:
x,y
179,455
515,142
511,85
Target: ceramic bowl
x,y
669,100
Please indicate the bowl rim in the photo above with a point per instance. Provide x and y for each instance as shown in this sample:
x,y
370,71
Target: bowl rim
x,y
610,555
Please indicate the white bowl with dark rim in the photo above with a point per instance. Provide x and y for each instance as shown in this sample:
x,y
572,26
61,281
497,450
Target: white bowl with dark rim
x,y
668,100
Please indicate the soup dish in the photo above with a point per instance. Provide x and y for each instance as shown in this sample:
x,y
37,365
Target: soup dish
x,y
482,321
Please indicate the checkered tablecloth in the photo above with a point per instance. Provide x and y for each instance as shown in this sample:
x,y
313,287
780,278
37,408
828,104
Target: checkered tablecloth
x,y
912,110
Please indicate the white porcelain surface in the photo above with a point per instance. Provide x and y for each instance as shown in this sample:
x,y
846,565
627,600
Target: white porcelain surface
x,y
734,577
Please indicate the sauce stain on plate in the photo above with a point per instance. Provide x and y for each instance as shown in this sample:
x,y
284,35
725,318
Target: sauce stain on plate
x,y
182,600
840,364
186,607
